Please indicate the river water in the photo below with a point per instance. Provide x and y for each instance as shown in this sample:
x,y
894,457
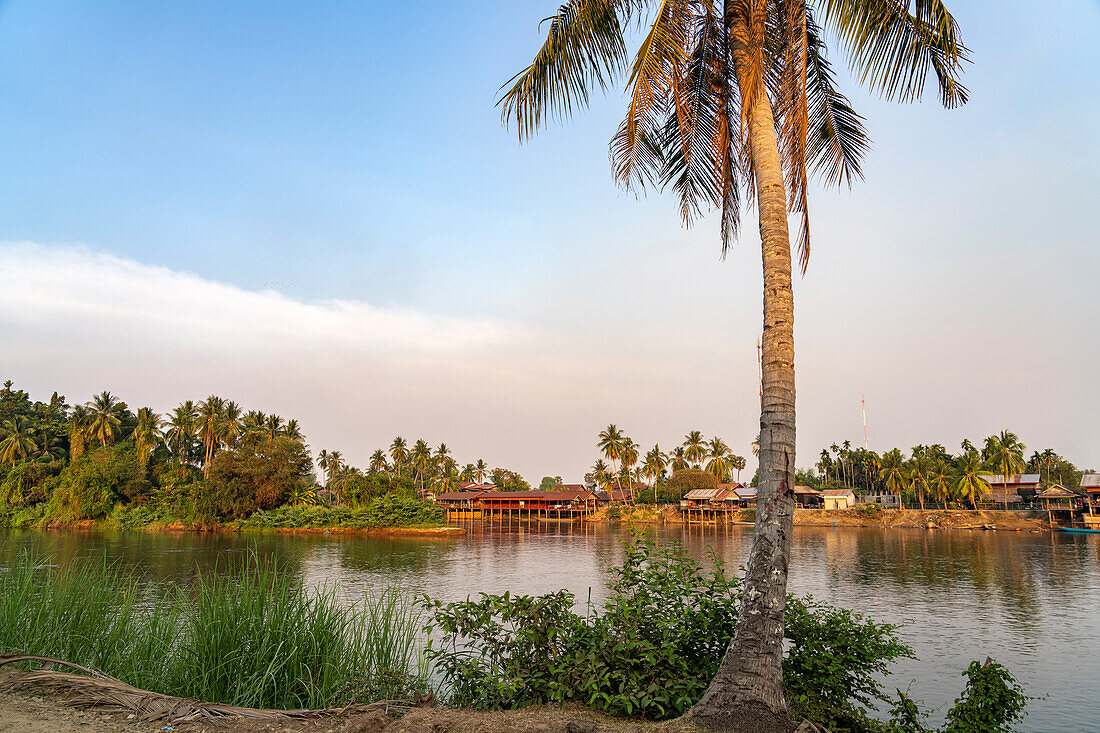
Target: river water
x,y
1029,600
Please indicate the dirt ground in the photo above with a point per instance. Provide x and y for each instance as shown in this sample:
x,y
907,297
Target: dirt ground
x,y
23,712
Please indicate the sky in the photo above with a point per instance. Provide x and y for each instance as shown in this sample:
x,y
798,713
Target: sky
x,y
313,209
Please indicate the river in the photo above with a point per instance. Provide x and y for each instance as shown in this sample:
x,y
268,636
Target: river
x,y
1029,600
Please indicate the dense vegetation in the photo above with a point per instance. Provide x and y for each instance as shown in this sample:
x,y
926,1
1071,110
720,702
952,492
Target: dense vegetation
x,y
205,463
252,637
656,644
929,474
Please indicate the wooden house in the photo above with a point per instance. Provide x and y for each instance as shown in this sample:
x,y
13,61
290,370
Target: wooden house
x,y
1019,488
1060,504
806,496
838,498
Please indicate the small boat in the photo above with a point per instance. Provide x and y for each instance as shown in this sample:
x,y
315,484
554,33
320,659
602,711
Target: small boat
x,y
1079,530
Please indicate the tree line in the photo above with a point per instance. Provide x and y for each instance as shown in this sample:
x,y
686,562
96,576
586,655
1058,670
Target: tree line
x,y
931,473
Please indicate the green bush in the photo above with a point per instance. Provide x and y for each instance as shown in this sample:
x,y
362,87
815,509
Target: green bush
x,y
386,511
990,703
90,486
651,652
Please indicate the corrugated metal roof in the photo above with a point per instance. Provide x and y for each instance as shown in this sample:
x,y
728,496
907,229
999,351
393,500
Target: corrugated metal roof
x,y
459,496
1014,479
703,494
837,492
807,490
1090,481
1057,491
747,492
547,495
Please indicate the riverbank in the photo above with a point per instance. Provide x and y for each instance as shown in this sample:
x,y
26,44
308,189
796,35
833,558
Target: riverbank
x,y
961,519
21,712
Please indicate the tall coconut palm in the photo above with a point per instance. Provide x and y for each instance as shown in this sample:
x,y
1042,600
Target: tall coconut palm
x,y
421,458
322,464
210,429
611,443
893,472
378,460
940,482
399,453
104,419
253,423
273,427
18,440
918,475
733,100
738,463
629,459
600,475
695,448
232,423
146,433
293,431
481,468
971,484
718,464
678,459
1005,454
181,431
656,462
469,471
78,431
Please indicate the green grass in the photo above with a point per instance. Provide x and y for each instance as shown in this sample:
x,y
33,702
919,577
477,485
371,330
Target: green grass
x,y
253,637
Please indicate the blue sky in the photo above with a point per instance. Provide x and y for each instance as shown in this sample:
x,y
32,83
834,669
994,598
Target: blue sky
x,y
348,152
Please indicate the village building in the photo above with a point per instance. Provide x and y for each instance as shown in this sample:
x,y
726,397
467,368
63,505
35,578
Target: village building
x,y
887,501
1019,488
807,496
1090,486
838,498
1060,504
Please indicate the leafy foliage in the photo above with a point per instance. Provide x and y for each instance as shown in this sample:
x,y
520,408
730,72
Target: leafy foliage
x,y
651,651
990,703
385,511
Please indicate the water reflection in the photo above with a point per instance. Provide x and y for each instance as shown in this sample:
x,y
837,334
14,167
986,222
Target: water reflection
x,y
1026,599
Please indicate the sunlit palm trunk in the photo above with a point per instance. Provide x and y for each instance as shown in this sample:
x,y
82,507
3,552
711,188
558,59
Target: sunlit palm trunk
x,y
747,691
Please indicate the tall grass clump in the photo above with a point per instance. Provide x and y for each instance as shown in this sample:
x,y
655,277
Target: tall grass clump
x,y
253,637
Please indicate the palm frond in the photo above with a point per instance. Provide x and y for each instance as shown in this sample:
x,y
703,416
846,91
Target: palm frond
x,y
837,139
584,47
891,49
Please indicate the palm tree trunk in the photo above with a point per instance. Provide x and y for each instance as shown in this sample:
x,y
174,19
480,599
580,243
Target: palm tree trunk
x,y
747,691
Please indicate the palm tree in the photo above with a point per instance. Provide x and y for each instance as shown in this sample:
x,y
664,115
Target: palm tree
x,y
335,466
893,471
18,442
1005,454
181,431
78,431
469,471
678,459
322,463
253,422
940,482
210,429
629,460
599,474
421,458
918,482
399,452
738,463
232,423
727,101
481,468
655,464
293,431
611,443
695,447
146,433
378,460
273,427
971,484
719,464
104,423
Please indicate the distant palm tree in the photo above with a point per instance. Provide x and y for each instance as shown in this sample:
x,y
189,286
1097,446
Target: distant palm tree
x,y
738,463
695,447
481,468
971,484
378,460
893,472
146,433
1005,454
655,464
629,460
918,470
293,431
273,427
104,422
421,458
399,452
469,472
719,463
232,423
210,429
181,431
322,464
940,481
304,496
600,475
611,443
78,431
18,442
678,459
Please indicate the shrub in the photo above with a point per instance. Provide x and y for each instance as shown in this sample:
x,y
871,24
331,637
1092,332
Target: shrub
x,y
688,479
258,474
651,652
90,486
990,703
386,511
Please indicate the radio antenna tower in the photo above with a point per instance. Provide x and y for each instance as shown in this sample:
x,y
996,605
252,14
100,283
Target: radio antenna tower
x,y
863,406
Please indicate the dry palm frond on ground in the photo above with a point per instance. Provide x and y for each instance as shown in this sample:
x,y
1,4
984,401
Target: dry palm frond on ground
x,y
93,688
